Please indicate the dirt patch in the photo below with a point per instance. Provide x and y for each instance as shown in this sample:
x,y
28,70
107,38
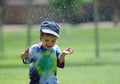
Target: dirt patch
x,y
63,25
92,25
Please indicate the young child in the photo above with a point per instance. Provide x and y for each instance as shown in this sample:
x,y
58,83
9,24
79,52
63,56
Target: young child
x,y
45,57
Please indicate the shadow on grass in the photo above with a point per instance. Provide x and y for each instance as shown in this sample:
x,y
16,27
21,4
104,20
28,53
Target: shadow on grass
x,y
75,64
110,50
13,66
86,63
94,63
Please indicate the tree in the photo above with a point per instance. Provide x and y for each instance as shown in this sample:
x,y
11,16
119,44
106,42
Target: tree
x,y
2,8
28,21
68,8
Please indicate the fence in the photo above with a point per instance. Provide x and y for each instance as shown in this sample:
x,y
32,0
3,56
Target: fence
x,y
31,12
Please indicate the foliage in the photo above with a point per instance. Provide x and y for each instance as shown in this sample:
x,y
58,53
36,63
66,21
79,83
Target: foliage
x,y
68,8
84,1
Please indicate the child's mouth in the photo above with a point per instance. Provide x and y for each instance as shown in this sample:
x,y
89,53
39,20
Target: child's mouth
x,y
48,47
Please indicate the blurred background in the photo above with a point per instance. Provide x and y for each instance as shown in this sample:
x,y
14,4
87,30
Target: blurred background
x,y
90,27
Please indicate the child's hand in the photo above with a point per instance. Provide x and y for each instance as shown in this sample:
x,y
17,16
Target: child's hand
x,y
68,51
24,55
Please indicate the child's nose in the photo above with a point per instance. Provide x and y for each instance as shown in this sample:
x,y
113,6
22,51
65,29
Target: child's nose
x,y
49,43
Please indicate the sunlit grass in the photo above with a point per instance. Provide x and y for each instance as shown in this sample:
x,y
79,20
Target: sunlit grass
x,y
82,67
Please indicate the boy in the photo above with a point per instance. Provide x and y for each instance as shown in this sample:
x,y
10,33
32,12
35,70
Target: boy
x,y
45,57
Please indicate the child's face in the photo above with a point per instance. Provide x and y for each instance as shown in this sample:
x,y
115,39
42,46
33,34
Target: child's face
x,y
48,41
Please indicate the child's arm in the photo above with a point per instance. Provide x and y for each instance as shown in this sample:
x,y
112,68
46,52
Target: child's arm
x,y
67,51
24,54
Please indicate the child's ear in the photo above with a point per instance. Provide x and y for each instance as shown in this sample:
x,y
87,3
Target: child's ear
x,y
40,38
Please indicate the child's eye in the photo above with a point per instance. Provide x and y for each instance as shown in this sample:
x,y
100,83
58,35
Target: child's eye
x,y
46,40
53,41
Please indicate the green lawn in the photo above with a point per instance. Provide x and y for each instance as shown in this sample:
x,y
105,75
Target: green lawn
x,y
82,67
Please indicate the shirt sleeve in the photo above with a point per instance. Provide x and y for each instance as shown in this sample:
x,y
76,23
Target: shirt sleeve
x,y
58,52
32,55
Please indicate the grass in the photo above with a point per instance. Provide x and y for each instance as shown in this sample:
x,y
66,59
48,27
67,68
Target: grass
x,y
82,67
